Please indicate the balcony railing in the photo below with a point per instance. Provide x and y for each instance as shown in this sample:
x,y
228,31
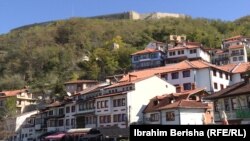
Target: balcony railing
x,y
243,112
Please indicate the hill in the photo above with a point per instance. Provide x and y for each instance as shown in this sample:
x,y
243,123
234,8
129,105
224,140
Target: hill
x,y
54,52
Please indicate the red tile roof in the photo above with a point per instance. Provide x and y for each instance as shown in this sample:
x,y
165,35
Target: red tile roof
x,y
184,65
81,81
185,104
181,100
236,68
145,51
236,46
12,93
233,38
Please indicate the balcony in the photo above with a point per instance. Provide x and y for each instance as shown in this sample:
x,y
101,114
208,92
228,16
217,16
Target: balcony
x,y
237,54
243,112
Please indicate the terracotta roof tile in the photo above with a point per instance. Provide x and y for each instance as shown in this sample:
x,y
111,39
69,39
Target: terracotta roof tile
x,y
164,101
148,50
13,93
236,46
185,104
236,68
184,65
233,38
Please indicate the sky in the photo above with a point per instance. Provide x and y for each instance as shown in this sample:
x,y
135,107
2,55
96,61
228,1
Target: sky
x,y
16,13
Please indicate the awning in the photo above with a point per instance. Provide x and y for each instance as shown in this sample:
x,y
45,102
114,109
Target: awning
x,y
55,136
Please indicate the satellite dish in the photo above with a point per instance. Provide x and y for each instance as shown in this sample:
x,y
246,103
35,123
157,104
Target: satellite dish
x,y
69,94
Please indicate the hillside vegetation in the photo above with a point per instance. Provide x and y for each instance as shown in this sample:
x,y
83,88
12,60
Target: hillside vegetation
x,y
51,53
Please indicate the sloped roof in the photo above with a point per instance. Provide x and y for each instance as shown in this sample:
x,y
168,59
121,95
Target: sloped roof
x,y
181,101
184,65
12,93
233,90
233,38
145,51
236,46
236,68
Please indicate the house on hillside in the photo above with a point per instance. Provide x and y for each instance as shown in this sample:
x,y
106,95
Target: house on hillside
x,y
181,108
233,50
85,106
23,99
237,71
234,101
76,86
122,103
148,58
186,51
188,74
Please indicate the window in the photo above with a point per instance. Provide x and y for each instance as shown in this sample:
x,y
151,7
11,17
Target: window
x,y
226,76
186,73
226,104
221,86
214,72
67,109
234,103
67,122
105,119
215,86
171,53
119,102
106,103
61,111
234,58
72,122
192,51
60,122
187,86
154,117
180,52
51,112
136,58
221,74
119,118
241,58
73,109
170,116
81,107
175,75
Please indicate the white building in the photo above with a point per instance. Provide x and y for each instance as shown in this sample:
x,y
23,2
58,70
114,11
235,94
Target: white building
x,y
188,74
187,51
24,126
182,108
55,117
25,100
70,111
85,105
122,103
237,71
233,50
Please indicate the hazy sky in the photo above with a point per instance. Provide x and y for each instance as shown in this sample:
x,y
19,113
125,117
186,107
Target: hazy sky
x,y
16,13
